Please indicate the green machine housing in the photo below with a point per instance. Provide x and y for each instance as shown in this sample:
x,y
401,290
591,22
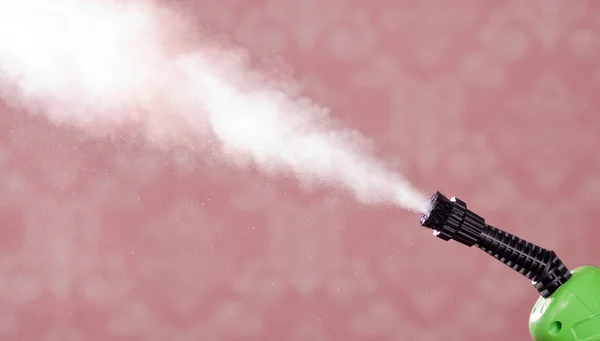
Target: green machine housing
x,y
572,312
568,307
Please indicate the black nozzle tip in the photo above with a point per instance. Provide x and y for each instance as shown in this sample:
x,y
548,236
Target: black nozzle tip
x,y
437,216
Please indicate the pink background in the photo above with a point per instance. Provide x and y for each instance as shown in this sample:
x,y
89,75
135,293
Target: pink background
x,y
492,101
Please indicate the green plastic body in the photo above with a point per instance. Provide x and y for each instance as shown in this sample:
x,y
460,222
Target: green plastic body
x,y
572,313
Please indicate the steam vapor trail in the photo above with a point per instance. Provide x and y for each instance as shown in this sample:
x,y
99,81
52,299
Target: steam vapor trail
x,y
103,65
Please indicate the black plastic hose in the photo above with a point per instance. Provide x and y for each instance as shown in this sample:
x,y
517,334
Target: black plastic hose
x,y
450,219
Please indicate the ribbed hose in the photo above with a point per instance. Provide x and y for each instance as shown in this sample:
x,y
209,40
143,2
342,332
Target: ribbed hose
x,y
540,265
452,220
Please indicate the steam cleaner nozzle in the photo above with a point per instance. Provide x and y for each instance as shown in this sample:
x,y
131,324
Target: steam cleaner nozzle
x,y
450,219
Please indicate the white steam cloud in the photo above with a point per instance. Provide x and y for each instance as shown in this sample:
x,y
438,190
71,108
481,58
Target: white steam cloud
x,y
105,65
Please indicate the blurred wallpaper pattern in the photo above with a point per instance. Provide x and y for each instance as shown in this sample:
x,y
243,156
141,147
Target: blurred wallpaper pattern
x,y
495,102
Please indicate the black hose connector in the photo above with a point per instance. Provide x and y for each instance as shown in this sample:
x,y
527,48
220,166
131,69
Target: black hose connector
x,y
450,219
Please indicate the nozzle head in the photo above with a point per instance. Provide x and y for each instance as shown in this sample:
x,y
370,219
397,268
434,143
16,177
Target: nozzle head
x,y
450,219
439,211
